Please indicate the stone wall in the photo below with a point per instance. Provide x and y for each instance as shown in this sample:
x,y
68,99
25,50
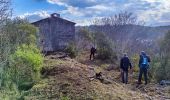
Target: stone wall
x,y
55,33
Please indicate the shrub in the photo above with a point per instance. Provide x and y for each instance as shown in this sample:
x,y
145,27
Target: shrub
x,y
105,46
106,54
29,54
64,98
163,69
21,60
71,50
159,76
25,66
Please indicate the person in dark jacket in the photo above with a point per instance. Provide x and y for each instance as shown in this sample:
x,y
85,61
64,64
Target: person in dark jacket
x,y
124,66
92,53
143,66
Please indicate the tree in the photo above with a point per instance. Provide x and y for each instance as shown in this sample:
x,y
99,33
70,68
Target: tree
x,y
120,19
5,11
104,46
21,59
119,28
87,39
162,72
84,39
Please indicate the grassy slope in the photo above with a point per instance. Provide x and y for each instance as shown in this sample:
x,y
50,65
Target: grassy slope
x,y
66,79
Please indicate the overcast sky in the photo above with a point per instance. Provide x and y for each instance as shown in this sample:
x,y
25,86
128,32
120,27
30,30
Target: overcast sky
x,y
153,12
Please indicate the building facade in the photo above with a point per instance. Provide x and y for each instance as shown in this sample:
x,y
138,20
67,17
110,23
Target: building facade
x,y
55,33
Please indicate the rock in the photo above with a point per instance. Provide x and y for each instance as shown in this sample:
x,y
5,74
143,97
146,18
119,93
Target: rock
x,y
165,82
91,72
102,79
107,81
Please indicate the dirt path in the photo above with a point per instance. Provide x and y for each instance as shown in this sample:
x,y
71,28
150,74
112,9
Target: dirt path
x,y
152,91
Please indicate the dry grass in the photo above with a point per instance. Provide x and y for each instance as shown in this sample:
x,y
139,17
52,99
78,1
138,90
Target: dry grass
x,y
69,78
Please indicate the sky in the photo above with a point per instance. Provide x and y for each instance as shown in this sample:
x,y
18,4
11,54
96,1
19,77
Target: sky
x,y
152,12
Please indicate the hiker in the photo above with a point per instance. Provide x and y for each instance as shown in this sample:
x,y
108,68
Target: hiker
x,y
143,66
124,66
92,53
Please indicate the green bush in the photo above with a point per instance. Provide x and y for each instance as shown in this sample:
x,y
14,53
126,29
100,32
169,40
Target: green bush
x,y
21,60
64,98
106,54
159,76
162,71
25,66
29,54
26,86
71,50
163,63
105,47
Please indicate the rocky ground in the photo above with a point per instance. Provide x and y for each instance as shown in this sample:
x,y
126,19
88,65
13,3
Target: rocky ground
x,y
70,79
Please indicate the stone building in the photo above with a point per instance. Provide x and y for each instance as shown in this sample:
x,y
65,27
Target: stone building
x,y
55,33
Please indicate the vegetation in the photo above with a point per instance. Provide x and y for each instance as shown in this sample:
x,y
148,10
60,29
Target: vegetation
x,y
71,49
163,62
105,47
23,60
84,39
135,62
103,44
25,66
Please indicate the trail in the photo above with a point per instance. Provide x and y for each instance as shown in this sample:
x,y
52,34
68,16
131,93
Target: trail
x,y
152,91
65,77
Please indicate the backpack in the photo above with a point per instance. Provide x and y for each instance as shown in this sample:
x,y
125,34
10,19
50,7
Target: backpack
x,y
145,60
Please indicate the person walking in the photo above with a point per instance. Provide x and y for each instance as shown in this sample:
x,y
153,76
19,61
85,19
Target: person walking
x,y
124,66
143,66
92,53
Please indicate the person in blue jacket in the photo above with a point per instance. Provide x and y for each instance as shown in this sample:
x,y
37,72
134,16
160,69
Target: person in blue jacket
x,y
143,66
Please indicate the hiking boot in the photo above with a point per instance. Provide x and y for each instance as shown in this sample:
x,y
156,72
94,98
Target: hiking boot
x,y
139,83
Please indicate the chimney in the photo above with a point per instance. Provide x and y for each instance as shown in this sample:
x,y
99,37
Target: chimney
x,y
55,15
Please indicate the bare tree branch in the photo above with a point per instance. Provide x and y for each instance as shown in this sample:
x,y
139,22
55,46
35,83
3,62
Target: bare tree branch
x,y
5,11
117,28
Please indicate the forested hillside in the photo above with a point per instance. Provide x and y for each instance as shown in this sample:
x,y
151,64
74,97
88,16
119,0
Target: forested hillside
x,y
132,35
